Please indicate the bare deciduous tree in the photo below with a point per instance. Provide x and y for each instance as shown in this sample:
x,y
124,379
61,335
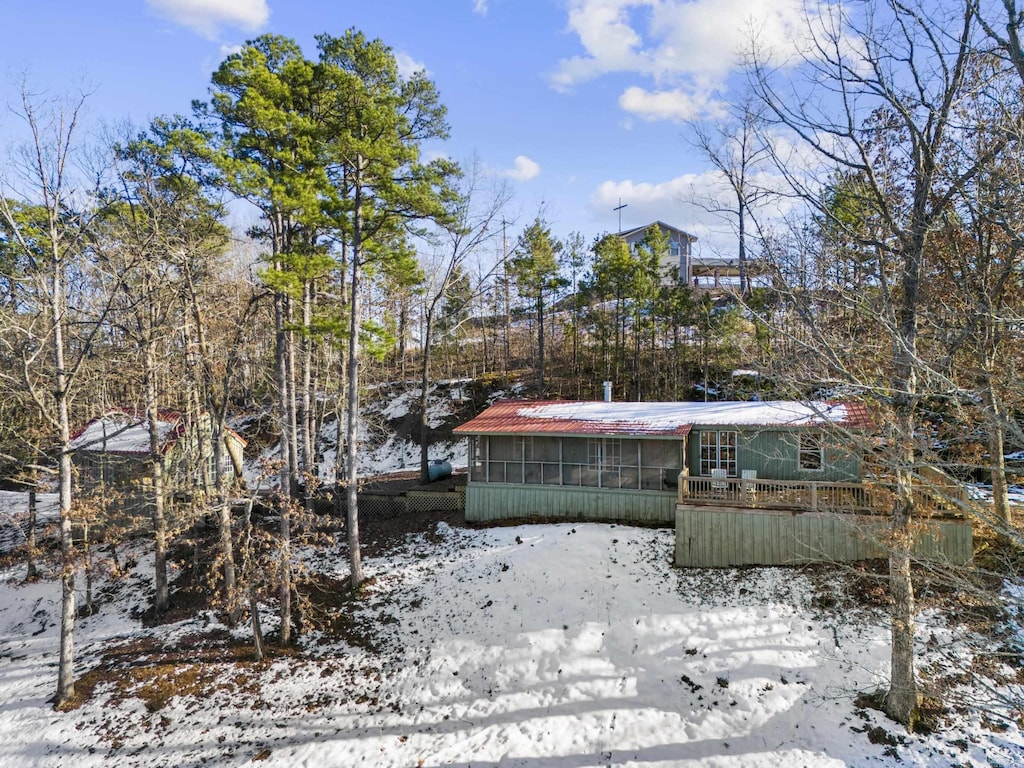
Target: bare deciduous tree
x,y
47,229
875,97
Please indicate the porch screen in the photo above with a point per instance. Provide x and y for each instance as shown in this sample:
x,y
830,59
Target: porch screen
x,y
718,451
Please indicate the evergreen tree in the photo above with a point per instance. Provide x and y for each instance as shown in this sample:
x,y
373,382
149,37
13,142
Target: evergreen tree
x,y
534,269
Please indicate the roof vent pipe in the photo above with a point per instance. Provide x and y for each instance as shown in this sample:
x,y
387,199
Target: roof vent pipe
x,y
607,391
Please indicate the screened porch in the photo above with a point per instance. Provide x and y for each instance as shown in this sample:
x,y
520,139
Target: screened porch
x,y
586,462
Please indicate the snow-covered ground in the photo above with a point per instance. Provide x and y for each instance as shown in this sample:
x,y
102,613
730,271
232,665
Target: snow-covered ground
x,y
14,514
544,645
381,451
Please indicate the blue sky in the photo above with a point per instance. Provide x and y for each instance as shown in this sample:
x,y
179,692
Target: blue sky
x,y
579,103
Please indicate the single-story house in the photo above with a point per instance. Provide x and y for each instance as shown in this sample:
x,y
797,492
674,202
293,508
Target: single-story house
x,y
700,466
112,452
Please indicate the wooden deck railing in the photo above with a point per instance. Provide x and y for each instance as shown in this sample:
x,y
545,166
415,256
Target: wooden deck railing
x,y
803,495
776,494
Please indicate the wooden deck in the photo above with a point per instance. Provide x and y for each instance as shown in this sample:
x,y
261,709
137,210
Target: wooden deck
x,y
816,496
725,522
811,496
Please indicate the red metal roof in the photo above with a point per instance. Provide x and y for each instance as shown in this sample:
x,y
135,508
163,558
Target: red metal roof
x,y
656,419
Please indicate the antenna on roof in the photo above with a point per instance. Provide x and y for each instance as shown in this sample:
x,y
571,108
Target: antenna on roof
x,y
619,208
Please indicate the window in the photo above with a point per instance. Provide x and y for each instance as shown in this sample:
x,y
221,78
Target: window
x,y
718,451
812,451
211,467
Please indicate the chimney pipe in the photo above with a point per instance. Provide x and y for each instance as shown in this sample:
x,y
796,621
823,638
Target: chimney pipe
x,y
607,391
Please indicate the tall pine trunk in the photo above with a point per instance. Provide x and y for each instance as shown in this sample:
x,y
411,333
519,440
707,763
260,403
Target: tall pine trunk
x,y
285,404
356,577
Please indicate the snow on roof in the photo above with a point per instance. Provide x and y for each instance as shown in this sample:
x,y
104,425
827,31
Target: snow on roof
x,y
121,433
673,418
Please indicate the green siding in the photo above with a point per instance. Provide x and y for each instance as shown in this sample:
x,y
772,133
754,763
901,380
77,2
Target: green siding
x,y
774,455
486,502
718,538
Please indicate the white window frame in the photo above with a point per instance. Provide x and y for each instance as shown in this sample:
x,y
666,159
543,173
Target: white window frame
x,y
717,450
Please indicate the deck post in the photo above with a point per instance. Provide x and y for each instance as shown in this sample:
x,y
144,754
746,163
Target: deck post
x,y
684,484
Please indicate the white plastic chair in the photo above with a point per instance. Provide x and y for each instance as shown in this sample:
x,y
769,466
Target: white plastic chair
x,y
719,484
749,478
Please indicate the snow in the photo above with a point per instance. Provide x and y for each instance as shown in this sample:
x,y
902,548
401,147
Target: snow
x,y
14,505
14,516
983,492
381,451
544,645
675,415
119,434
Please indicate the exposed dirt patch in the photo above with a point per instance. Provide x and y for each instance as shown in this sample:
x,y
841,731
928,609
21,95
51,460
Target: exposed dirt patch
x,y
143,669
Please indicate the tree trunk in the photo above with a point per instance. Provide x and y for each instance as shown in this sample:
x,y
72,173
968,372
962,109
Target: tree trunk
x,y
31,572
65,667
424,396
506,326
217,412
156,466
285,405
257,630
540,342
285,589
247,574
308,416
742,260
87,609
997,459
293,406
356,577
901,701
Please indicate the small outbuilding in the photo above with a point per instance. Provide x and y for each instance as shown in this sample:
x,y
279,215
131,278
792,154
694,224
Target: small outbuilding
x,y
112,454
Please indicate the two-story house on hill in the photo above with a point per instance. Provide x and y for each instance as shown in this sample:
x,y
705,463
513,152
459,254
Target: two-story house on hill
x,y
677,263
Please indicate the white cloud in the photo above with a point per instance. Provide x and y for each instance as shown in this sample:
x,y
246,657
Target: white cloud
x,y
684,202
408,66
207,16
672,104
688,48
480,7
524,169
229,50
